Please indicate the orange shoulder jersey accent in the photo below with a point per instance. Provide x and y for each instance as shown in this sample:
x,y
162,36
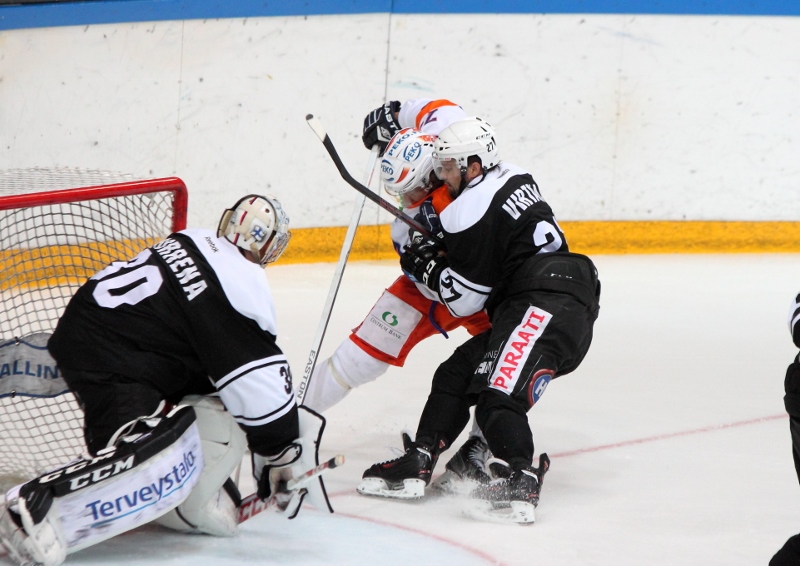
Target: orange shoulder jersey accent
x,y
432,105
440,198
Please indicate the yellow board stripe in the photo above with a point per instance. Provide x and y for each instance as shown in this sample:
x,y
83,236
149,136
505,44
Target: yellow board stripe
x,y
70,264
309,245
59,265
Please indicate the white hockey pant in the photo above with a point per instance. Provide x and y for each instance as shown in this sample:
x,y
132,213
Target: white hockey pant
x,y
333,378
209,508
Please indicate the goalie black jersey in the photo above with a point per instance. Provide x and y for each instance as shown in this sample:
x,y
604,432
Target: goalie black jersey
x,y
187,315
491,229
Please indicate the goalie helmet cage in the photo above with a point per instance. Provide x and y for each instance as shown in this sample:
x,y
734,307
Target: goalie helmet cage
x,y
57,228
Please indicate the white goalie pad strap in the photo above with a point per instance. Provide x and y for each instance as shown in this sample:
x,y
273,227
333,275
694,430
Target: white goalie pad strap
x,y
122,488
389,324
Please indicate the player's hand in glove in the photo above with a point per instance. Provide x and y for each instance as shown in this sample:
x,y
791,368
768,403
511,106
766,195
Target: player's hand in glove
x,y
428,217
272,474
380,125
421,261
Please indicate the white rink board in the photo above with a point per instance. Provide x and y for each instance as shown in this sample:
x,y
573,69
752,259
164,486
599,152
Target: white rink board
x,y
620,117
669,445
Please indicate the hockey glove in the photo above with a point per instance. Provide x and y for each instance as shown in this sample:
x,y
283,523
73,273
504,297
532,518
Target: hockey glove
x,y
427,217
380,125
271,474
422,263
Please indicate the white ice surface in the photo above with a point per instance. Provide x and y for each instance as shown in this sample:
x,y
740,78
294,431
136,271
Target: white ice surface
x,y
669,445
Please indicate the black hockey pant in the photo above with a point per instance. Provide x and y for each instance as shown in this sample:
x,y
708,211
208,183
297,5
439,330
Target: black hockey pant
x,y
535,337
109,401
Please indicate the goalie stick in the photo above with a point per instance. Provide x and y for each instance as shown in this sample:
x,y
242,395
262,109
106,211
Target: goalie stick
x,y
319,129
336,281
252,505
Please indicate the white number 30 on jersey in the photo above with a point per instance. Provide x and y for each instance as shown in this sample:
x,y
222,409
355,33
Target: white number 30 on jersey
x,y
138,284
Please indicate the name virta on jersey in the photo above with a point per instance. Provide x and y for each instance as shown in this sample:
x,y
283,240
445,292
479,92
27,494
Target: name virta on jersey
x,y
525,196
182,265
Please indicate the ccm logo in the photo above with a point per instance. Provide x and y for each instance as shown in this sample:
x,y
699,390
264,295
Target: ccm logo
x,y
101,473
94,476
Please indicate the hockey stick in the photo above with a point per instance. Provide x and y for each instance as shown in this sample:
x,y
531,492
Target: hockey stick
x,y
252,505
336,281
319,129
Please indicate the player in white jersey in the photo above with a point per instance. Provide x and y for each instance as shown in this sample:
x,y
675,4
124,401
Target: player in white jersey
x,y
503,251
407,312
790,553
174,360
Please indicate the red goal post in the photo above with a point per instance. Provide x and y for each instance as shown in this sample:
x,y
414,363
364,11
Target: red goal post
x,y
57,228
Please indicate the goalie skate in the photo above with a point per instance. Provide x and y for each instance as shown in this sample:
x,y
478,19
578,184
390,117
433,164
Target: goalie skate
x,y
404,477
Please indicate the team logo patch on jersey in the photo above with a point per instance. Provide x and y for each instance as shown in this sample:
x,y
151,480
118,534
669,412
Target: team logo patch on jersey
x,y
538,384
517,350
389,324
389,318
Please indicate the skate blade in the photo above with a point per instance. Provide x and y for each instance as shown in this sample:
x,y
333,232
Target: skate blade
x,y
376,487
516,513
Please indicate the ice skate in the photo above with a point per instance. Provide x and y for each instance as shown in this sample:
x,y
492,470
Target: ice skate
x,y
466,470
404,477
510,499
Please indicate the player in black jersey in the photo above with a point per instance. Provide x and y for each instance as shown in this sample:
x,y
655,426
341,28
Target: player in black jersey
x,y
503,252
190,316
789,554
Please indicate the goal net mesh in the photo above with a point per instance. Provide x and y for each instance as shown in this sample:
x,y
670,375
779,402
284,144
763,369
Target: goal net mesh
x,y
49,245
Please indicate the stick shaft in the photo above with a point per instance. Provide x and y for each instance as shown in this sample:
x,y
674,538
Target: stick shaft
x,y
336,281
252,505
319,129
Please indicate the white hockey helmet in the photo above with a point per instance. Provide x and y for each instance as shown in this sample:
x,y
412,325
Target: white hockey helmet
x,y
463,139
257,224
407,162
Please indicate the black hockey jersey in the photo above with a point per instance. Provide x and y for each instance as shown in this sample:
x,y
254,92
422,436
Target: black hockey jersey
x,y
187,313
492,231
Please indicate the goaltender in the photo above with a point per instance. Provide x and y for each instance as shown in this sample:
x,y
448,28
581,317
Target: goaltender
x,y
173,358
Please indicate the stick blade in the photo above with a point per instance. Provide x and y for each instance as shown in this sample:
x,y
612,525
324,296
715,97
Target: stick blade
x,y
316,125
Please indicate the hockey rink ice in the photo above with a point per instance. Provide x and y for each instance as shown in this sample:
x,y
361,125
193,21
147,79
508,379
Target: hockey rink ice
x,y
669,445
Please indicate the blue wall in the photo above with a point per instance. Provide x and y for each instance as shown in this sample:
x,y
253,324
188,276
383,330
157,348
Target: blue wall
x,y
116,11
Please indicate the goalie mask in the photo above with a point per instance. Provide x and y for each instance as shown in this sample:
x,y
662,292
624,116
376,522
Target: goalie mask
x,y
257,224
407,165
463,139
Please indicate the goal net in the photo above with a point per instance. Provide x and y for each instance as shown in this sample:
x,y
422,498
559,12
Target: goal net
x,y
57,228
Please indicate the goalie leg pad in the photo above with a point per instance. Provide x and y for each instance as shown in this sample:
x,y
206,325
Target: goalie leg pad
x,y
212,506
124,486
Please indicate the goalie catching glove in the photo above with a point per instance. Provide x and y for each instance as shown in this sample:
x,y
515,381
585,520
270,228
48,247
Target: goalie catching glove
x,y
380,125
272,473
